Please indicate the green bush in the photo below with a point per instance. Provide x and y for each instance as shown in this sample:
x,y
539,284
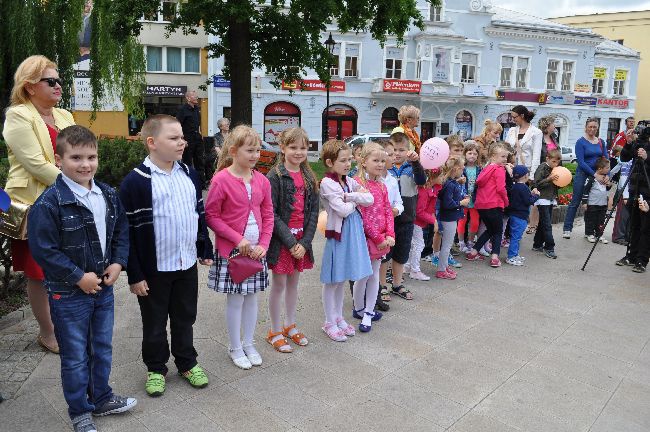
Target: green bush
x,y
116,158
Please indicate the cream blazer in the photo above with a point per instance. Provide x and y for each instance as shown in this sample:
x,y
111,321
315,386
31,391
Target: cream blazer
x,y
31,157
531,146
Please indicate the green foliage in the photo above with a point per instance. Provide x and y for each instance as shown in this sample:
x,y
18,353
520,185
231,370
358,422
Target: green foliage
x,y
116,158
319,169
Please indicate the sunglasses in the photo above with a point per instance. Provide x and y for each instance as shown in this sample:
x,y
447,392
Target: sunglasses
x,y
53,81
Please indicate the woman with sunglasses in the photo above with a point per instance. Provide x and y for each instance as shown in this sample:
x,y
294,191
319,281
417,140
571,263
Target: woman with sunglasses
x,y
31,126
589,149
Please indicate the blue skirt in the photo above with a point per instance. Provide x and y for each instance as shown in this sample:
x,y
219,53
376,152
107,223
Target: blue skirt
x,y
347,259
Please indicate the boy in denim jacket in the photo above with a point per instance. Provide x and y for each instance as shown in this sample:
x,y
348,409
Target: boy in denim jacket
x,y
78,234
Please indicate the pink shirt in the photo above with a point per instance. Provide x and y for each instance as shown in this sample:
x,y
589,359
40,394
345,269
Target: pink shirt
x,y
377,218
491,188
227,208
298,215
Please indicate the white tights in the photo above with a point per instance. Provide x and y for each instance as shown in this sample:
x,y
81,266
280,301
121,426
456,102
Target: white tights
x,y
365,292
241,314
333,301
287,285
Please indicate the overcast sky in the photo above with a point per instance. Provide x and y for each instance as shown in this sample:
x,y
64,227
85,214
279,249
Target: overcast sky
x,y
555,8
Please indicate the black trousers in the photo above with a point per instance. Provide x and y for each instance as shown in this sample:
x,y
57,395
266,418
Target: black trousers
x,y
194,156
621,222
639,234
595,219
544,233
174,295
493,220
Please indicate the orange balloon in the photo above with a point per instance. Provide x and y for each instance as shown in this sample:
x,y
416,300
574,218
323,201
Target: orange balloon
x,y
564,176
322,222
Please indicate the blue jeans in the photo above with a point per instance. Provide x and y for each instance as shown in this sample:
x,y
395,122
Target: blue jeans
x,y
517,227
83,325
578,186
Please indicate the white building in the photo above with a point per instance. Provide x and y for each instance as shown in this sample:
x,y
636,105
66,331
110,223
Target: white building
x,y
471,62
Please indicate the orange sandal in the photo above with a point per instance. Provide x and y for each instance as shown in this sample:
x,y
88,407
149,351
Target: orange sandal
x,y
280,345
297,338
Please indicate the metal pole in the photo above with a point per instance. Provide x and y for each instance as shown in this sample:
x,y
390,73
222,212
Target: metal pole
x,y
327,115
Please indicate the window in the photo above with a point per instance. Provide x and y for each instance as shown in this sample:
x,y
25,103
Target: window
x,y
567,76
394,58
435,13
469,62
418,69
598,82
334,65
165,11
351,60
553,77
168,10
620,77
522,72
506,71
173,59
613,127
551,74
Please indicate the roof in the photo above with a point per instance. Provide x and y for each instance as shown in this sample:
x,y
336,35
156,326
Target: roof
x,y
510,18
439,31
614,48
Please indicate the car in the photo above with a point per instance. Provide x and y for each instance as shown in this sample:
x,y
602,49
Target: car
x,y
568,155
361,139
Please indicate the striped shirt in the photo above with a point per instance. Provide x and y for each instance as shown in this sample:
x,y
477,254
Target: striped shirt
x,y
175,220
93,200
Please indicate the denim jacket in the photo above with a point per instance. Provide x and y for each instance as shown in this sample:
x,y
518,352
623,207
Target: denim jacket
x,y
63,238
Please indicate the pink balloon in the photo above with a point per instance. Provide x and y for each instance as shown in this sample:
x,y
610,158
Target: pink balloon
x,y
434,153
564,176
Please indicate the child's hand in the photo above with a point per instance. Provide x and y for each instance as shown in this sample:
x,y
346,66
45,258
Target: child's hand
x,y
461,180
391,241
412,156
395,212
89,283
140,289
298,251
383,245
205,262
643,206
553,177
244,247
111,273
258,253
535,191
464,202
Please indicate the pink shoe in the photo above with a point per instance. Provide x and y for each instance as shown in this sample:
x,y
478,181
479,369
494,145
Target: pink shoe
x,y
473,257
334,332
346,328
495,262
451,271
445,275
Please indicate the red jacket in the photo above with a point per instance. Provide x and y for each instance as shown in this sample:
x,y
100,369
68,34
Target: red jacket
x,y
491,188
425,212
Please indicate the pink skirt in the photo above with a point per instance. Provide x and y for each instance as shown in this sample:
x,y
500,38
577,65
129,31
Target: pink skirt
x,y
287,264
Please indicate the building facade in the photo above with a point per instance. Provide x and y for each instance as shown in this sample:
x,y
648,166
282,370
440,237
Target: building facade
x,y
627,28
471,62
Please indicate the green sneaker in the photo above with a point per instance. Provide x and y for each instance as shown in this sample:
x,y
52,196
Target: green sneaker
x,y
196,377
155,385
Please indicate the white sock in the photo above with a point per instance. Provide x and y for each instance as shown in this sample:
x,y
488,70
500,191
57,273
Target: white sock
x,y
339,297
359,294
249,318
372,287
234,304
329,302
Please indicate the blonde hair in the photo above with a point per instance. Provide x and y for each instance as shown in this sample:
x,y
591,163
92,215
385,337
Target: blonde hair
x,y
454,141
331,150
237,138
406,112
291,135
488,126
451,164
545,122
368,149
497,147
432,175
29,71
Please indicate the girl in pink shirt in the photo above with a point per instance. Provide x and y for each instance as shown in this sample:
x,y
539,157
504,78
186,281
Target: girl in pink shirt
x,y
239,210
379,230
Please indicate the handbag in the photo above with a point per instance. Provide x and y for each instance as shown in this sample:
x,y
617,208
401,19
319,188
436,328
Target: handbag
x,y
241,267
13,222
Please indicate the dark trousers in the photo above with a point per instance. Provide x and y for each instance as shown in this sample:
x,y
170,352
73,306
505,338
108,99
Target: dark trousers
x,y
493,220
544,233
639,234
595,219
427,233
621,222
194,156
174,295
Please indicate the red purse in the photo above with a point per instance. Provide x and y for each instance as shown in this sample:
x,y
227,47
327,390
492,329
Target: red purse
x,y
241,267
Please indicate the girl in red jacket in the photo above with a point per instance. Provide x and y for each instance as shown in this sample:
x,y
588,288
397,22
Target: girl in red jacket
x,y
491,199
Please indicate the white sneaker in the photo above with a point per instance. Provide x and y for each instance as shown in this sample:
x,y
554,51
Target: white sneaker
x,y
253,356
591,239
484,252
566,234
419,276
514,261
520,258
603,240
426,258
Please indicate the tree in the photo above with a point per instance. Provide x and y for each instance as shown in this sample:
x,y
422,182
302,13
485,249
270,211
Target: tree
x,y
285,35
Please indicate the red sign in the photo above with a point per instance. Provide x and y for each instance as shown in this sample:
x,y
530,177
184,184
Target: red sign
x,y
402,86
613,103
314,85
281,108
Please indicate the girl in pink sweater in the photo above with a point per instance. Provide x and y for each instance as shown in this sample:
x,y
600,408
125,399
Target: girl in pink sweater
x,y
239,210
491,199
379,230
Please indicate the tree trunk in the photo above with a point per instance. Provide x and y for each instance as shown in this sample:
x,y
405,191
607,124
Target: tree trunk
x,y
239,60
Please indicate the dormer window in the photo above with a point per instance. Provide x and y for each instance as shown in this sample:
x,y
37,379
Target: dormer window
x,y
435,13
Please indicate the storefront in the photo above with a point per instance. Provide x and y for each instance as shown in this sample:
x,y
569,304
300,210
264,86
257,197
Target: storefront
x,y
340,121
279,116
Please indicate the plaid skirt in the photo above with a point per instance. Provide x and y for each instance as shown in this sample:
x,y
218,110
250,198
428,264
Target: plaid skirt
x,y
219,279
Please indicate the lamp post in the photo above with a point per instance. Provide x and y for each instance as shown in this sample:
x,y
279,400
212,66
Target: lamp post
x,y
329,44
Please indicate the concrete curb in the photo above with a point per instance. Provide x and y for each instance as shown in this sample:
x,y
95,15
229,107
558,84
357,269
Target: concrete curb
x,y
16,316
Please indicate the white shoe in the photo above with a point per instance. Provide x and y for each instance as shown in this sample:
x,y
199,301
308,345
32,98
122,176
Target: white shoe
x,y
603,240
419,276
484,252
566,234
514,261
241,362
591,239
253,356
520,258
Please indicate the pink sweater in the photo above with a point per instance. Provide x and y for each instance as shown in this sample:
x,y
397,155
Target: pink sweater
x,y
227,208
339,204
491,188
377,218
425,212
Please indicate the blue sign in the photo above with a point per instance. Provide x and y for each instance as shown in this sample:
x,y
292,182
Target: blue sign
x,y
220,82
585,100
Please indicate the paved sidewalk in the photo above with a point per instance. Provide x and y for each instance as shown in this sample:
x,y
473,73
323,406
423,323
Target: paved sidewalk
x,y
541,348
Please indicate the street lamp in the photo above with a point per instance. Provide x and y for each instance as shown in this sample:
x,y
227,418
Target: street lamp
x,y
329,45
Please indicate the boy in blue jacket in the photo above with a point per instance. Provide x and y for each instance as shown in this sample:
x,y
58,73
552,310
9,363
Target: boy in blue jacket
x,y
521,198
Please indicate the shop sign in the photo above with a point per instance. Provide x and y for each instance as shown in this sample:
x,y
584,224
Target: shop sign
x,y
314,85
620,75
600,73
402,86
165,90
612,103
585,100
218,81
560,98
521,97
476,90
82,98
582,88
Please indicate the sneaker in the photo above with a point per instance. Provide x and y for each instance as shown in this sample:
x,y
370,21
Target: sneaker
x,y
434,260
484,252
495,262
520,258
473,256
514,261
505,243
591,239
445,275
196,377
452,262
419,276
426,258
538,249
566,234
625,261
116,404
639,268
454,251
603,240
155,385
84,423
451,271
550,254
